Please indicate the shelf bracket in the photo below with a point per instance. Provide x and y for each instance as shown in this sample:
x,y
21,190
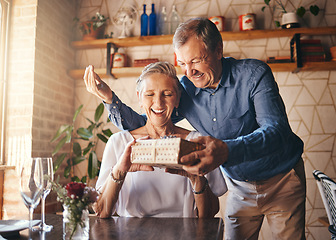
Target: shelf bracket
x,y
109,59
296,55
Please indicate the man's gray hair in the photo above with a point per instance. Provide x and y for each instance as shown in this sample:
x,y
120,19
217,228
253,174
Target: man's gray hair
x,y
202,28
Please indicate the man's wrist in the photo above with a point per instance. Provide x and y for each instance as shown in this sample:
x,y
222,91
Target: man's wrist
x,y
108,101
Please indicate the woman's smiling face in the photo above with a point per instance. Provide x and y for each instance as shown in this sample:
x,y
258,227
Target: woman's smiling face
x,y
158,98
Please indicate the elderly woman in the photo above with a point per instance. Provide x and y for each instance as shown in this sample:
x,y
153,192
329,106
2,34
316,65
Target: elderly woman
x,y
135,190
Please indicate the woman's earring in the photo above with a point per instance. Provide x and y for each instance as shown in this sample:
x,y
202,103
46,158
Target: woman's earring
x,y
176,112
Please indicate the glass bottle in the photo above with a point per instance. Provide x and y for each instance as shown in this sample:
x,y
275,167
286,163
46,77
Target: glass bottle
x,y
152,21
144,22
163,22
174,20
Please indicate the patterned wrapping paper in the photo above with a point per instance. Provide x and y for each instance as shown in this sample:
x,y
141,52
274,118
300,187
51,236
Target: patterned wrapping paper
x,y
163,153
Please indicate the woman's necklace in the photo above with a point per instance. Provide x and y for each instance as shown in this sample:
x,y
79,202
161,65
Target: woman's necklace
x,y
170,135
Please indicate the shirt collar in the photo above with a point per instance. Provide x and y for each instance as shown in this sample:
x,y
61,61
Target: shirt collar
x,y
226,73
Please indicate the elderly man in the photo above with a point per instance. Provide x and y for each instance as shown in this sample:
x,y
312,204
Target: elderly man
x,y
237,106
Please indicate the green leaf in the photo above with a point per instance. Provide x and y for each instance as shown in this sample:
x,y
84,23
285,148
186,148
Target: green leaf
x,y
75,179
59,132
88,148
107,132
263,8
84,133
78,154
99,165
314,9
267,2
67,171
91,127
99,112
93,165
301,11
59,145
77,112
83,180
91,122
69,134
59,161
102,137
77,160
77,150
277,24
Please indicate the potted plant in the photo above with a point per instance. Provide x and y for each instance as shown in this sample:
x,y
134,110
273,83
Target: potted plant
x,y
76,154
93,28
290,18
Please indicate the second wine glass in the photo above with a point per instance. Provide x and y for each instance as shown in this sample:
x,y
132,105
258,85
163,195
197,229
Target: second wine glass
x,y
48,177
31,178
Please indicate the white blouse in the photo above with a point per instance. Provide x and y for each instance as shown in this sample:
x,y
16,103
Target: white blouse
x,y
156,193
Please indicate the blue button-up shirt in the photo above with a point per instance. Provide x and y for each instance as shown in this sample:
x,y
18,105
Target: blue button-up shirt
x,y
245,111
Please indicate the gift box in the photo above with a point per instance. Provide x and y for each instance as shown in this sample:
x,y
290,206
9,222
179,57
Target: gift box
x,y
163,153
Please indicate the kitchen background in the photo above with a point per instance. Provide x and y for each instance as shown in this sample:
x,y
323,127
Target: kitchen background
x,y
42,95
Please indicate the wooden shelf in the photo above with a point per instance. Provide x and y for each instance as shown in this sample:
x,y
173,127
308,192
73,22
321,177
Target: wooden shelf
x,y
227,36
276,67
257,34
308,66
124,42
117,72
6,167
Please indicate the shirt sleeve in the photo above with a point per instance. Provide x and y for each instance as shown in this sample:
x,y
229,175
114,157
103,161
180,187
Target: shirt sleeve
x,y
217,182
125,118
274,136
122,116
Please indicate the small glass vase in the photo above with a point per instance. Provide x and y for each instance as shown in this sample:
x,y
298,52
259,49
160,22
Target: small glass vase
x,y
69,231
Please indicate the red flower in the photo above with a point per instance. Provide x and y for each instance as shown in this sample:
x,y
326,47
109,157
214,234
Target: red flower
x,y
76,189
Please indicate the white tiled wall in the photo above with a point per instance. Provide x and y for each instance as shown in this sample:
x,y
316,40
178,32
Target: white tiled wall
x,y
310,97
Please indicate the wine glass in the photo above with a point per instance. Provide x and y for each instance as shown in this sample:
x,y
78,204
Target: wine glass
x,y
31,185
48,177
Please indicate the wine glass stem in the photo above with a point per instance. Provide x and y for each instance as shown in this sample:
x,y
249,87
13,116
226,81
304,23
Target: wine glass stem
x,y
43,209
31,211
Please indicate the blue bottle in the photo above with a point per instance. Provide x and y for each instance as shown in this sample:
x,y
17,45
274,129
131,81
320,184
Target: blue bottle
x,y
152,21
144,22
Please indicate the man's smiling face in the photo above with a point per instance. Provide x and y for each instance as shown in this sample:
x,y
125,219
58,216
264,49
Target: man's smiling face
x,y
201,66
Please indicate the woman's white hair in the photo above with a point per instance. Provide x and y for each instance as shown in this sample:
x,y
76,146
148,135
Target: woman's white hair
x,y
165,68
